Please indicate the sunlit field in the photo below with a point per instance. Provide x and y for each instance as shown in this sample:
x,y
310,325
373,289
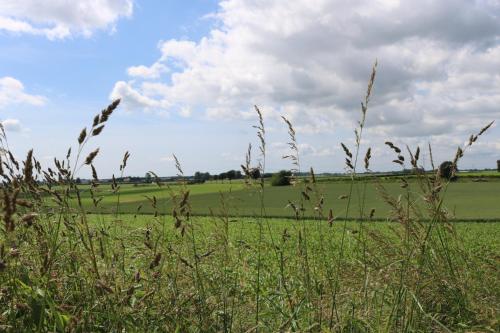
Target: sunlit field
x,y
351,254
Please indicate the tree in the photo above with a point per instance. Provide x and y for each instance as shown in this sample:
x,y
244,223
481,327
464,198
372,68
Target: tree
x,y
254,173
147,178
231,174
281,178
498,165
206,176
448,170
201,177
222,176
198,177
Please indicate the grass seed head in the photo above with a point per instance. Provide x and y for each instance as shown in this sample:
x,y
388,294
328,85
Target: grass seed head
x,y
96,131
368,155
82,136
91,156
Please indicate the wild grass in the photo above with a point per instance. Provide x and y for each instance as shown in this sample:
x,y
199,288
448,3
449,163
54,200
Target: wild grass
x,y
63,269
465,200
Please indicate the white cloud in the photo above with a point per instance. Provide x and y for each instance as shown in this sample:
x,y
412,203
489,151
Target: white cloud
x,y
12,92
12,125
310,60
135,98
56,19
151,72
185,112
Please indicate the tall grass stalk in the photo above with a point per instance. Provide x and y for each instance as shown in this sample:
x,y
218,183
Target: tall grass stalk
x,y
351,165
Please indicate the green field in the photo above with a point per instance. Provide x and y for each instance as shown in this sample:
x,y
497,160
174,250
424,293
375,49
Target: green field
x,y
465,200
226,257
489,173
155,277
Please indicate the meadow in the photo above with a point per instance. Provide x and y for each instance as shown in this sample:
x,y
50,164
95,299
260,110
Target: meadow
x,y
465,200
356,254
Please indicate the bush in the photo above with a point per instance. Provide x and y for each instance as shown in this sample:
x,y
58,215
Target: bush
x,y
447,170
281,178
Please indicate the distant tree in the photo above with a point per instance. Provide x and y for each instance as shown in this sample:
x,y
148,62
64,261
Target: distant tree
x,y
197,177
147,178
78,180
222,176
215,177
498,165
254,173
447,170
281,178
231,174
206,176
201,177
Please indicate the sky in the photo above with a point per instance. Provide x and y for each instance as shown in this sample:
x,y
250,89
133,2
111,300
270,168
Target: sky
x,y
190,72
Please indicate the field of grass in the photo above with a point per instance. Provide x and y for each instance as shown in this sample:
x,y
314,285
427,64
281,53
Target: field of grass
x,y
78,258
490,173
464,199
154,277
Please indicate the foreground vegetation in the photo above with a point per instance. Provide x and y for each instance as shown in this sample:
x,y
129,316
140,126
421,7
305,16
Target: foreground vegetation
x,y
63,269
149,277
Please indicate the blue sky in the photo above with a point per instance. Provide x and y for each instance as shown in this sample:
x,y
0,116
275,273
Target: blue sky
x,y
189,73
84,69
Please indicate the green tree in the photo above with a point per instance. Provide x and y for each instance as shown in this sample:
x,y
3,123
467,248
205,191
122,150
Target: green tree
x,y
448,170
198,177
222,176
281,178
254,173
231,174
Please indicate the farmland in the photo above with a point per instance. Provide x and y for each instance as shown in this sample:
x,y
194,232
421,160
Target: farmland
x,y
466,200
416,252
163,275
155,264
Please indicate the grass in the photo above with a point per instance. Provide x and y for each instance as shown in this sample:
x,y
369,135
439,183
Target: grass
x,y
479,174
65,270
466,200
134,294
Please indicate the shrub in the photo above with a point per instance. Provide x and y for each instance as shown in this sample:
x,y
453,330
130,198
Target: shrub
x,y
255,173
447,170
281,178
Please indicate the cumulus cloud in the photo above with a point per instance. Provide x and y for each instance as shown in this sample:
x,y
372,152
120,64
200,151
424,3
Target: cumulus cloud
x,y
11,125
57,19
143,98
438,69
12,92
152,72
